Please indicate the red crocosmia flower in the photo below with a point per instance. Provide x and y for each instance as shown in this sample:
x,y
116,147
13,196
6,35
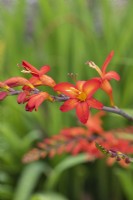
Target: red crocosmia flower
x,y
36,100
3,95
39,77
74,131
94,124
18,81
80,97
23,97
106,76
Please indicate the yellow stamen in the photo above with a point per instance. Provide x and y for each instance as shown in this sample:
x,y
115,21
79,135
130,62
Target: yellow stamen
x,y
94,66
82,96
26,71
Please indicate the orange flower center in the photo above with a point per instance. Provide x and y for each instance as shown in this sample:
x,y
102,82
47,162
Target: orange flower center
x,y
82,96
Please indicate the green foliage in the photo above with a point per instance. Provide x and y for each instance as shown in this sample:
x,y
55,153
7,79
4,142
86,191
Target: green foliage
x,y
64,34
126,181
28,180
67,163
48,196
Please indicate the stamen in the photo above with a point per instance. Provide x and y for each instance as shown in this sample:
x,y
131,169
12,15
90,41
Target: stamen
x,y
82,96
94,66
26,71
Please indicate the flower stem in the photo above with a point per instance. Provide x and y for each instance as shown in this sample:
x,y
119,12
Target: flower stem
x,y
118,111
63,98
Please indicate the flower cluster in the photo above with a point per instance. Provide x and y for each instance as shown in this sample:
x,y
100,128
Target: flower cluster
x,y
29,93
78,96
91,139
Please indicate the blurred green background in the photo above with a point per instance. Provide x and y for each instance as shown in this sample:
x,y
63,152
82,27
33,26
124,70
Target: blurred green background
x,y
63,34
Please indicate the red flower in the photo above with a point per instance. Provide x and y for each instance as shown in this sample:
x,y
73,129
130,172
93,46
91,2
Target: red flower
x,y
38,77
80,97
23,97
106,76
35,100
18,81
94,124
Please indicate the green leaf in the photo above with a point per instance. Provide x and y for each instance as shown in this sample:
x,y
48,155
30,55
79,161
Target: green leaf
x,y
67,163
28,180
48,196
126,181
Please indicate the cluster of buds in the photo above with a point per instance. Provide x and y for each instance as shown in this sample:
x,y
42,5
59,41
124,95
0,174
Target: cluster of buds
x,y
119,156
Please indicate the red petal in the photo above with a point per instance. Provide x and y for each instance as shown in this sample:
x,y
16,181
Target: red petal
x,y
18,81
70,132
36,100
92,102
108,89
82,111
107,61
67,89
47,80
91,86
3,95
44,70
106,86
35,81
112,74
69,105
30,67
22,97
43,97
79,85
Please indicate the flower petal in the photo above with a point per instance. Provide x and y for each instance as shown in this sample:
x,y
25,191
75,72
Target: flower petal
x,y
108,89
112,75
75,131
30,68
92,102
107,61
91,86
36,100
79,85
43,96
18,81
44,70
106,86
35,81
82,112
47,80
3,95
69,105
67,89
22,97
